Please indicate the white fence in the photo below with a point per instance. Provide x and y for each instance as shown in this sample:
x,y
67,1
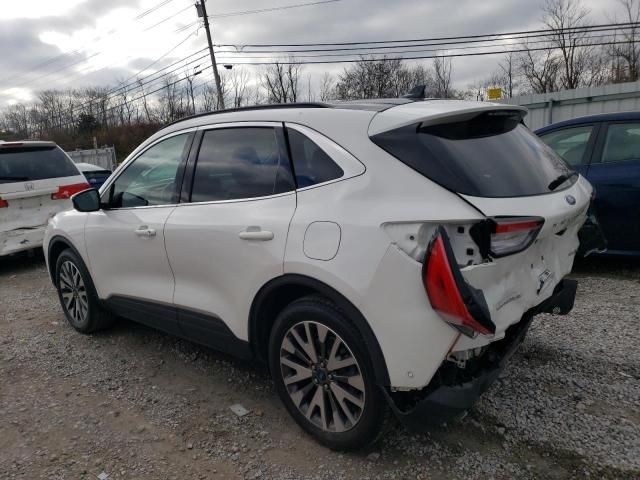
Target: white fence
x,y
547,108
102,157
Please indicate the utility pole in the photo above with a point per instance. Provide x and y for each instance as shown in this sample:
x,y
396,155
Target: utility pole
x,y
202,12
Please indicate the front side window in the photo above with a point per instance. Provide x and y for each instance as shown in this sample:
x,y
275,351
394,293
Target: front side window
x,y
622,143
241,162
152,177
570,143
311,164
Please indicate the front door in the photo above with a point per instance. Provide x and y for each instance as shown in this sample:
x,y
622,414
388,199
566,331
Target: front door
x,y
125,240
228,239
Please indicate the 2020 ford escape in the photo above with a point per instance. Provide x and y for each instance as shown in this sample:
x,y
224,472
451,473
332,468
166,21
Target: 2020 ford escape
x,y
376,255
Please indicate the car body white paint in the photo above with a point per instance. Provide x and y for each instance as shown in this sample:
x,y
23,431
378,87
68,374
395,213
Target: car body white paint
x,y
384,212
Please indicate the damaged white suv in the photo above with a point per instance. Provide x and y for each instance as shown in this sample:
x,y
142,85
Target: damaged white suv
x,y
383,254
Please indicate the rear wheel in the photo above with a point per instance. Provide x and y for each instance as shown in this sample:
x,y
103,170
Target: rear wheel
x,y
323,374
78,296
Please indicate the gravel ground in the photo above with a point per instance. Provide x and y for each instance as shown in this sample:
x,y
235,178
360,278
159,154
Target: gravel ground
x,y
135,403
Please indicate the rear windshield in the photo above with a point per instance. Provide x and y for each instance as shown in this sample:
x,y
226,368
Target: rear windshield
x,y
19,164
490,155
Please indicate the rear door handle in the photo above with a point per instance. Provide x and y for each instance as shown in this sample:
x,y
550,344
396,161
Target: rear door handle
x,y
253,233
145,232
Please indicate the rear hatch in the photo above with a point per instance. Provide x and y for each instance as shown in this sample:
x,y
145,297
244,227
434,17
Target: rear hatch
x,y
36,181
533,202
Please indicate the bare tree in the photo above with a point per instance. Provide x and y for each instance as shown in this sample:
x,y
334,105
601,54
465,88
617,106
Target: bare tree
x,y
281,82
540,69
567,19
626,56
238,86
442,70
327,86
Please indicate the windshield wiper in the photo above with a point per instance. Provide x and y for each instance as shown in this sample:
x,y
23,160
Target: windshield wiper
x,y
561,179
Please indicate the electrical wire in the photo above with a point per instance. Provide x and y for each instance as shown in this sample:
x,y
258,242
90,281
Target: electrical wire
x,y
458,37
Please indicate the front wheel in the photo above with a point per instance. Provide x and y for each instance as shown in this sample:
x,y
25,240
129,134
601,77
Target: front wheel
x,y
77,295
323,374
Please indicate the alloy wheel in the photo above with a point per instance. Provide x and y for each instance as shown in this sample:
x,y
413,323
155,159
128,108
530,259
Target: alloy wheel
x,y
73,292
322,376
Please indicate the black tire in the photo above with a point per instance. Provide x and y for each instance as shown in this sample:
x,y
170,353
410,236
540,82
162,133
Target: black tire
x,y
93,316
372,417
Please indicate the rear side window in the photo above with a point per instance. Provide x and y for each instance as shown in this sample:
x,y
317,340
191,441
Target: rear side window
x,y
622,143
569,143
242,162
490,155
310,163
22,164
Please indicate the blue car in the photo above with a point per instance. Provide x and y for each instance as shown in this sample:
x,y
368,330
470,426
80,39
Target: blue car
x,y
606,150
95,175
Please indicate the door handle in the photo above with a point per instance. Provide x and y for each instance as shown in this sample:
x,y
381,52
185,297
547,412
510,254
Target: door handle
x,y
145,232
253,233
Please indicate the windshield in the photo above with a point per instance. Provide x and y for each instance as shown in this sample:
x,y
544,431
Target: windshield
x,y
490,155
19,164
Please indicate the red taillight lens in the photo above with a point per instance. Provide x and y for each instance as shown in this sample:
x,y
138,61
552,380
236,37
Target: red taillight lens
x,y
3,203
67,191
450,295
513,234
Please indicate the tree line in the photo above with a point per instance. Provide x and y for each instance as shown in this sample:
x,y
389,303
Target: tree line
x,y
126,113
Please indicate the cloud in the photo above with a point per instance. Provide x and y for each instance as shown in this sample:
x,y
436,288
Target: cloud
x,y
80,42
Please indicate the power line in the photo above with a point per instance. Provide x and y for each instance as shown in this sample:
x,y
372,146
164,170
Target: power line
x,y
428,44
159,58
444,55
295,55
272,9
432,39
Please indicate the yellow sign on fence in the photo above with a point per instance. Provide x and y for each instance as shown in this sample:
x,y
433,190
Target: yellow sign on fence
x,y
494,93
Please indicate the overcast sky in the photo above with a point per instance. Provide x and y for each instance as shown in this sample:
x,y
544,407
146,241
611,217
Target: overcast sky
x,y
73,43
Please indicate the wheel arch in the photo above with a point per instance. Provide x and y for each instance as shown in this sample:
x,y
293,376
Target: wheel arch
x,y
57,245
281,291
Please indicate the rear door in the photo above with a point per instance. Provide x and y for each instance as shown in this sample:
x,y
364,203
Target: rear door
x,y
228,237
615,175
36,182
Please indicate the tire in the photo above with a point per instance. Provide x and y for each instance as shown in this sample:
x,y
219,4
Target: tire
x,y
78,296
337,401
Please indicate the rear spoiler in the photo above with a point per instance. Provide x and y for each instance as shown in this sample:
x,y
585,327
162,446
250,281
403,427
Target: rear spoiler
x,y
434,112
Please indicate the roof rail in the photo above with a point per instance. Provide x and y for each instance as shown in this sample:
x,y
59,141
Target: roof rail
x,y
255,107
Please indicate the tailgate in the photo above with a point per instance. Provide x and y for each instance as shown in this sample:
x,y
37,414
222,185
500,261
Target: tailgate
x,y
515,283
31,204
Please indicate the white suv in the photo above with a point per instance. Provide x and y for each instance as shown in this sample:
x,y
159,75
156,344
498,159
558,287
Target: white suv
x,y
376,255
37,180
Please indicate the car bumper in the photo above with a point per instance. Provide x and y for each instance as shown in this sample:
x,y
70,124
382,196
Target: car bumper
x,y
20,239
438,404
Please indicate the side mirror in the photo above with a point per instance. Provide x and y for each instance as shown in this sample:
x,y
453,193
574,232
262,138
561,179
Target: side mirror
x,y
87,201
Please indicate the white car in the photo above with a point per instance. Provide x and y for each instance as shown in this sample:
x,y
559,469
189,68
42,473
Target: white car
x,y
37,180
376,255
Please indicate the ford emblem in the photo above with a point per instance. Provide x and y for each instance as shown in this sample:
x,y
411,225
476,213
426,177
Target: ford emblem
x,y
571,200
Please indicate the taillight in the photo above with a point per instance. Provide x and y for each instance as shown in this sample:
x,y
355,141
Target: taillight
x,y
67,191
3,203
513,234
457,302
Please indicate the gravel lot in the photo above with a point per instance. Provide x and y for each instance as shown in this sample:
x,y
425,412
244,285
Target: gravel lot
x,y
134,403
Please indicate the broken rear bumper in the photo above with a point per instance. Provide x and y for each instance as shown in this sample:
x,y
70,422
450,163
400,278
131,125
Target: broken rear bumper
x,y
20,239
452,391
